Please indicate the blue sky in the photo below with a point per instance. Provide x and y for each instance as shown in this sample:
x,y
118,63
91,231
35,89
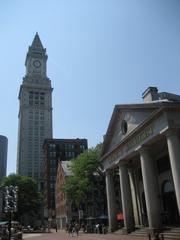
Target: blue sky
x,y
100,53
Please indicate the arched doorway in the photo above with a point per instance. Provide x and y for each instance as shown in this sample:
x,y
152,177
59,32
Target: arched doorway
x,y
171,215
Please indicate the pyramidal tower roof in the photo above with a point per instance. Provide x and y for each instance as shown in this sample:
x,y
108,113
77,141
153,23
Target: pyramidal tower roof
x,y
36,49
36,43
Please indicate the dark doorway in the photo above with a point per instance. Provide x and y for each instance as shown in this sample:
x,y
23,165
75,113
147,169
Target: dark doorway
x,y
144,211
170,216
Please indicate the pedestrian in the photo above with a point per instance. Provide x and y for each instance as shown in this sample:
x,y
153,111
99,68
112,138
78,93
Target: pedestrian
x,y
100,228
67,227
48,227
77,228
97,228
71,229
83,226
56,226
104,229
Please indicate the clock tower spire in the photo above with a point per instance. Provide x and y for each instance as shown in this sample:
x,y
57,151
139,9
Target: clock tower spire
x,y
36,58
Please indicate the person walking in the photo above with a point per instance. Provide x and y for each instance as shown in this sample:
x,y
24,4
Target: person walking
x,y
77,228
71,229
56,227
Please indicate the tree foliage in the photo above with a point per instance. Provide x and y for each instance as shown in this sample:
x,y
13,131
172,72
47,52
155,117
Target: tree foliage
x,y
84,168
29,198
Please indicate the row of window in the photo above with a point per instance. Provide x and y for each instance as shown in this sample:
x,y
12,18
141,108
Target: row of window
x,y
36,95
52,154
34,144
52,178
66,146
52,146
69,154
36,113
69,146
36,123
36,98
30,174
52,161
36,128
36,117
52,169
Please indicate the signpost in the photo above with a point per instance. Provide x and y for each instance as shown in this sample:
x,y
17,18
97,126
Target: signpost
x,y
10,195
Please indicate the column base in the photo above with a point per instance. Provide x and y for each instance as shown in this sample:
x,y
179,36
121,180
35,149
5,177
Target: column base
x,y
153,232
127,230
112,229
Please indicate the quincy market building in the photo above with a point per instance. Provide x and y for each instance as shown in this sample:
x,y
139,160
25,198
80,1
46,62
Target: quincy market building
x,y
142,144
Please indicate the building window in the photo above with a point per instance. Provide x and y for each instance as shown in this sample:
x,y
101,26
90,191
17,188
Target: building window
x,y
52,146
52,169
52,178
53,162
82,147
124,127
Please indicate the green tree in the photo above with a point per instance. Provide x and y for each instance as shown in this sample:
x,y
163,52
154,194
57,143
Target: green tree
x,y
29,199
82,183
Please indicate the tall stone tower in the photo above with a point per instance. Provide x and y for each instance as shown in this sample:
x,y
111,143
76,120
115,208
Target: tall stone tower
x,y
35,113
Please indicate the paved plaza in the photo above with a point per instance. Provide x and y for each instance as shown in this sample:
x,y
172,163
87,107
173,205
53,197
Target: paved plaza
x,y
62,235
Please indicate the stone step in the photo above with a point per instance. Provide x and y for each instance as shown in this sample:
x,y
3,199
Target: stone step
x,y
174,230
171,236
140,232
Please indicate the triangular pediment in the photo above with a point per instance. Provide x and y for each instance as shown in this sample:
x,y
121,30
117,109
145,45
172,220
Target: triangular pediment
x,y
124,120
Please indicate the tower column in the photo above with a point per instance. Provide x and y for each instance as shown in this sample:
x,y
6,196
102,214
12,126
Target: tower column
x,y
134,194
150,189
111,201
126,199
173,143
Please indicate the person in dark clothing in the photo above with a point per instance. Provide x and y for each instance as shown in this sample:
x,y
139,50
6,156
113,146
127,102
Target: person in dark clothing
x,y
100,228
77,228
56,227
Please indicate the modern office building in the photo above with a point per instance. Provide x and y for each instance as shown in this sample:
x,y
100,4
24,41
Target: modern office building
x,y
57,150
3,156
35,113
142,144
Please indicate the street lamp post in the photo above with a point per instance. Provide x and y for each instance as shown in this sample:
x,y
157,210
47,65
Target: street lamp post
x,y
10,203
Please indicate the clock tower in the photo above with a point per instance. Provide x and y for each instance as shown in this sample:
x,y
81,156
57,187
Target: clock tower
x,y
35,113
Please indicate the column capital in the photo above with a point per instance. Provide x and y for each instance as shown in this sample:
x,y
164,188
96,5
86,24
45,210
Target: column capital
x,y
108,172
130,170
123,166
172,132
143,149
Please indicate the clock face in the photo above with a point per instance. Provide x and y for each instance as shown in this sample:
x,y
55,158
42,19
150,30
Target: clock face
x,y
36,63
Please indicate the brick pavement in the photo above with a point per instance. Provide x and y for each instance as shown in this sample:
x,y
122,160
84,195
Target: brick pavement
x,y
61,235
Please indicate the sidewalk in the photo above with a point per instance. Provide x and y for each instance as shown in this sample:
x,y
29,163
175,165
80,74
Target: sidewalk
x,y
62,235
